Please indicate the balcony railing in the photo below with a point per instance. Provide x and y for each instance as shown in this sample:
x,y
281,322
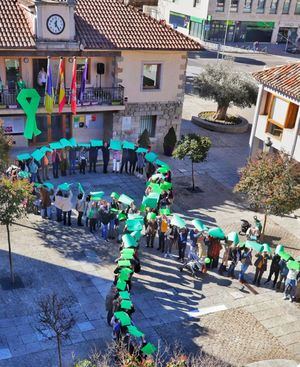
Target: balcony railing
x,y
91,97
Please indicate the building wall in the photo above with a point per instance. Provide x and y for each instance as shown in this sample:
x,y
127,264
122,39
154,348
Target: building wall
x,y
130,67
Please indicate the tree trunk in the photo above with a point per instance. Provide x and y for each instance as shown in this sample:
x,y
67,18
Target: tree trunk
x,y
59,350
264,226
12,277
193,178
221,113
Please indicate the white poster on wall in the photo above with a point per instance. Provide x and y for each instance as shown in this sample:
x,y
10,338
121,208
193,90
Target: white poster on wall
x,y
13,124
126,123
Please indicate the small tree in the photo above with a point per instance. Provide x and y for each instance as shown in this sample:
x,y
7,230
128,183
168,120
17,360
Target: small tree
x,y
56,319
219,83
15,196
5,143
271,182
144,139
194,147
170,140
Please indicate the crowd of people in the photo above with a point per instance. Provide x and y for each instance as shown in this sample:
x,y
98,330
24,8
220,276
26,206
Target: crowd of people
x,y
119,219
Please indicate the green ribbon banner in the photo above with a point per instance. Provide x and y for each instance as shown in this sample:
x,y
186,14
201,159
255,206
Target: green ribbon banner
x,y
29,100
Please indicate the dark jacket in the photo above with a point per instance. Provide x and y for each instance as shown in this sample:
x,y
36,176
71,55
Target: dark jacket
x,y
132,156
125,155
105,217
182,238
275,263
105,154
93,154
261,261
72,155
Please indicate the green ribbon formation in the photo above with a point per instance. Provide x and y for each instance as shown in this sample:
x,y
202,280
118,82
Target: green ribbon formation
x,y
29,100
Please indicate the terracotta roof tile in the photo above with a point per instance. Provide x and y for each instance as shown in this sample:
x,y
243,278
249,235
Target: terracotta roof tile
x,y
285,79
14,28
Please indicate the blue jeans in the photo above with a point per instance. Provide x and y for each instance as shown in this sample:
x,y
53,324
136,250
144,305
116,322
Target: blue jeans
x,y
104,231
58,214
72,166
33,177
244,268
46,212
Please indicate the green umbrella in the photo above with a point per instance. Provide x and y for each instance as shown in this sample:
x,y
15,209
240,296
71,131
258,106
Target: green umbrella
x,y
148,349
115,195
124,199
73,142
166,186
151,157
37,154
125,295
96,143
56,145
124,263
163,169
165,211
134,331
23,157
65,143
199,225
141,150
49,185
161,163
24,174
285,255
123,317
46,150
217,232
267,248
151,216
233,237
64,186
293,265
178,221
254,245
128,145
126,304
136,235
129,241
121,285
115,145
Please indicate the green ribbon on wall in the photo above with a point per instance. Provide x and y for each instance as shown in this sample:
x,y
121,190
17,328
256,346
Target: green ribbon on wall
x,y
29,100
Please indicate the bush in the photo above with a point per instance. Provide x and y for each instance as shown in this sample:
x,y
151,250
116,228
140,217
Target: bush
x,y
144,139
170,141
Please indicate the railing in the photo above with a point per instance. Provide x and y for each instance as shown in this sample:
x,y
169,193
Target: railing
x,y
91,97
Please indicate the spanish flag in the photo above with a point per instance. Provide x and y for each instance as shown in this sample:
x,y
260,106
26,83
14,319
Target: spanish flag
x,y
49,95
62,91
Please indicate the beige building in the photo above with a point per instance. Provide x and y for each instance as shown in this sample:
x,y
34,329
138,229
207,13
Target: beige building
x,y
136,69
276,124
240,21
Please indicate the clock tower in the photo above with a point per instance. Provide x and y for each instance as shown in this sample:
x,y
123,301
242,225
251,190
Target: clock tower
x,y
55,24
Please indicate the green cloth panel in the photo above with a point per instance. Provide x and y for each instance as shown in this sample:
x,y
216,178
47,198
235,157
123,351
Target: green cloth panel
x,y
125,295
123,317
128,241
161,163
115,145
49,185
124,263
199,225
134,331
141,150
233,237
151,157
23,156
126,304
217,232
84,145
96,143
124,199
65,143
46,149
37,155
178,221
254,245
56,145
148,349
128,145
73,142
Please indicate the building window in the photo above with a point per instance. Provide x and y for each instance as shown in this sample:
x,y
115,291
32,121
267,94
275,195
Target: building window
x,y
196,29
196,3
148,123
151,76
234,6
220,5
273,6
247,6
260,6
286,6
80,63
297,9
12,71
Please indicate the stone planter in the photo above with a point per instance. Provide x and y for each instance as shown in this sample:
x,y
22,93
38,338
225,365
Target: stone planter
x,y
222,128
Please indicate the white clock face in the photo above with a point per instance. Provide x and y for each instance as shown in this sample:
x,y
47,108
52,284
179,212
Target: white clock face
x,y
55,24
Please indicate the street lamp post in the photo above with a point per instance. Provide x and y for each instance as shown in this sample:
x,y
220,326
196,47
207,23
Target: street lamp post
x,y
227,21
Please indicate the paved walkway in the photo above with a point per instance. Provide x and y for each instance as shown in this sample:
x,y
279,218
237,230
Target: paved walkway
x,y
169,304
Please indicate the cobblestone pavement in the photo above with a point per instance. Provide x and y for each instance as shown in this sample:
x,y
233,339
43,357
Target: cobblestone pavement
x,y
170,305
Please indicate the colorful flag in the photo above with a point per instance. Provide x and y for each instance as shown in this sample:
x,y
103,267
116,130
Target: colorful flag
x,y
74,88
83,81
49,93
62,91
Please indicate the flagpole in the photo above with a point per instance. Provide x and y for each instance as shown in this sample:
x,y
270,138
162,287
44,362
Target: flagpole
x,y
58,77
70,94
46,85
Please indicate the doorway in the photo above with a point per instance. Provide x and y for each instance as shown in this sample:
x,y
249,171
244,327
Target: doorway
x,y
37,65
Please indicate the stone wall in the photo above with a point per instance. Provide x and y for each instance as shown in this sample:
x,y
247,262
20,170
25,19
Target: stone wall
x,y
168,114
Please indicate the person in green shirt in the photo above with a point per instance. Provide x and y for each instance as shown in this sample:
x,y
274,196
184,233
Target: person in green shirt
x,y
20,84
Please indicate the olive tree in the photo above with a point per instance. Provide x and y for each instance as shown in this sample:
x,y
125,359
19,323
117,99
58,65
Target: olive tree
x,y
226,87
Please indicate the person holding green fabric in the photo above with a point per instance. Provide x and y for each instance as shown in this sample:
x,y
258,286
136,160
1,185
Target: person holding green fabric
x,y
20,84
